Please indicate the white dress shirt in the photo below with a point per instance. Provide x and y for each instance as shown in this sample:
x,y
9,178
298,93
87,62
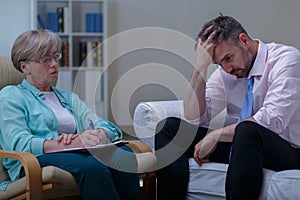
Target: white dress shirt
x,y
276,92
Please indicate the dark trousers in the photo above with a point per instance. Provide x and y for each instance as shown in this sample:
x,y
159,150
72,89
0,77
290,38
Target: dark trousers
x,y
94,178
254,148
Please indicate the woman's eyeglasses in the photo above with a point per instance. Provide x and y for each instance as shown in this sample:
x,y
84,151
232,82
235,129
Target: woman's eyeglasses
x,y
48,59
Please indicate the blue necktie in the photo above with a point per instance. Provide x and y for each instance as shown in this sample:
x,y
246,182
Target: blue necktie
x,y
247,108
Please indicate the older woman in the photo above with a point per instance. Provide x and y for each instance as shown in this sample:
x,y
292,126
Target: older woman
x,y
39,118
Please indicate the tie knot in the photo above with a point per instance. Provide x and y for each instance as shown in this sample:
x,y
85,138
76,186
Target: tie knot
x,y
250,80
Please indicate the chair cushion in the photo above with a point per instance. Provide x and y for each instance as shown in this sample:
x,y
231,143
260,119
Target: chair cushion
x,y
3,172
14,189
8,73
61,179
51,174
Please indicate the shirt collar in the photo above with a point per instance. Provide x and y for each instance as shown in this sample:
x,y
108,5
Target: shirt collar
x,y
261,58
26,84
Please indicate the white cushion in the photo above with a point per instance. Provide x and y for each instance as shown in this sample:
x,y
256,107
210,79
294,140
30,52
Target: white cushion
x,y
208,181
285,185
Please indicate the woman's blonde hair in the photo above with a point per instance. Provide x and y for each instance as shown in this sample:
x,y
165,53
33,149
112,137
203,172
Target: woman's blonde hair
x,y
34,44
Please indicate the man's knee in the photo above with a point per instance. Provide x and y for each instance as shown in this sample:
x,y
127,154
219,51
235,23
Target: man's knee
x,y
166,131
246,130
170,123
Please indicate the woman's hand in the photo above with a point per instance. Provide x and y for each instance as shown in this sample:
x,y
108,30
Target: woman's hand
x,y
205,147
90,138
66,138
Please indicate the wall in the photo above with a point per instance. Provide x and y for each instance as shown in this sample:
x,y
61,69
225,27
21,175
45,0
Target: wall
x,y
15,18
178,23
268,20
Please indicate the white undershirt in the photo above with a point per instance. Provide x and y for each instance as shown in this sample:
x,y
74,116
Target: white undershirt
x,y
65,120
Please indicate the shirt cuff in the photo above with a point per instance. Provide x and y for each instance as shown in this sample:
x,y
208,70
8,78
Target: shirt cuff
x,y
37,146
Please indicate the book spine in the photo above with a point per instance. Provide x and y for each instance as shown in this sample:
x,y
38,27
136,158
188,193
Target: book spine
x,y
89,22
99,54
60,16
52,18
66,19
65,54
82,52
91,59
94,54
98,22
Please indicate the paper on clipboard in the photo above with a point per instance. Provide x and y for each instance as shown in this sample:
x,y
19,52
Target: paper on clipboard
x,y
96,147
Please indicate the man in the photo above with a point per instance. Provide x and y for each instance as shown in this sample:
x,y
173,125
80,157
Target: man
x,y
267,137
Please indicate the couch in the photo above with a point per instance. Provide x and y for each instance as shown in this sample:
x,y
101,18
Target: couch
x,y
208,181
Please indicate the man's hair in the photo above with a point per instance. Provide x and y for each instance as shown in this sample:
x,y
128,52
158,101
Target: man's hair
x,y
226,27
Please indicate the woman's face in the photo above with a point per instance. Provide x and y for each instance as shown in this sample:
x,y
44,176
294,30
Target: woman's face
x,y
42,72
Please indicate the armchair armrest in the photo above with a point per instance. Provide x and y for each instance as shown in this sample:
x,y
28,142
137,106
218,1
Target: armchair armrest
x,y
145,158
138,146
148,114
32,170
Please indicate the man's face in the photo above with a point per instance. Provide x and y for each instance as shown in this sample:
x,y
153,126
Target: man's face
x,y
235,59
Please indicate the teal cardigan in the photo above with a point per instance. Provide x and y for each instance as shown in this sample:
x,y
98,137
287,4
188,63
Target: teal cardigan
x,y
26,121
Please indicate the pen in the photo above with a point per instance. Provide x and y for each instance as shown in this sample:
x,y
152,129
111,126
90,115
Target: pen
x,y
92,126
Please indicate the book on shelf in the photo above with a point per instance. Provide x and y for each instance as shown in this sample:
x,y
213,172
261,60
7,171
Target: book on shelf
x,y
91,49
66,19
64,62
98,22
60,20
52,19
89,22
99,54
93,22
82,53
90,53
56,21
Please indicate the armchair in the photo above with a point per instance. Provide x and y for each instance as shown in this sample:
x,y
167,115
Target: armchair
x,y
208,181
51,182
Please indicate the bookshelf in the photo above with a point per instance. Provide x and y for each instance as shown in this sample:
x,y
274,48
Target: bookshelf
x,y
82,26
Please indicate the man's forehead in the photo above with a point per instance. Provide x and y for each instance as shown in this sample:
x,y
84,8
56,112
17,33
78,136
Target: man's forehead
x,y
220,52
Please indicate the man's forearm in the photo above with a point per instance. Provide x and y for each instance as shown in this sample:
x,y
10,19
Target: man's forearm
x,y
194,100
226,133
